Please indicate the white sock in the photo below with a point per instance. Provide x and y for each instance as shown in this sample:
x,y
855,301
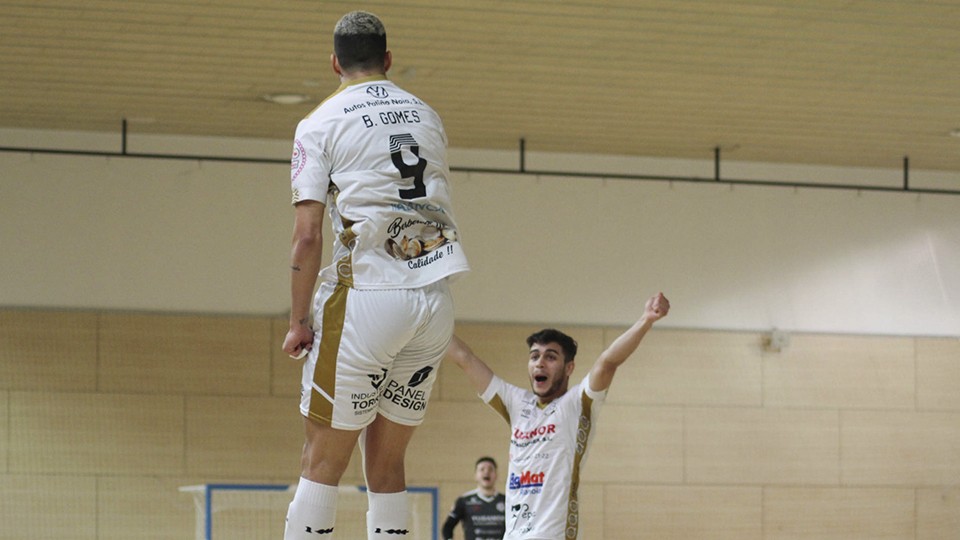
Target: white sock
x,y
388,515
311,514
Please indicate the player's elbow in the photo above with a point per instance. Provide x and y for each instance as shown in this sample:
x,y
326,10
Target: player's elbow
x,y
307,240
459,357
458,352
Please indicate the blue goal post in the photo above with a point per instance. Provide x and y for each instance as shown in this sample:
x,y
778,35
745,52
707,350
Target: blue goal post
x,y
204,499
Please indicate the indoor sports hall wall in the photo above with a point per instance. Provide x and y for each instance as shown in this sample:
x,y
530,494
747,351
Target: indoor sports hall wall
x,y
213,237
706,434
142,302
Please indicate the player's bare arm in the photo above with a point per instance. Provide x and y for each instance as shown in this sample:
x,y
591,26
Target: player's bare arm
x,y
601,375
305,255
476,370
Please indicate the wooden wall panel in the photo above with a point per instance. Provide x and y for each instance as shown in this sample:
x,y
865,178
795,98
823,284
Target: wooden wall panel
x,y
47,507
938,374
682,513
637,444
938,513
70,433
48,350
675,367
683,446
760,446
188,354
592,509
453,436
841,372
244,437
838,514
900,448
4,431
144,508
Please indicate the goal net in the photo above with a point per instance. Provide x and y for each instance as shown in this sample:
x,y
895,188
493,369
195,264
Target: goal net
x,y
255,511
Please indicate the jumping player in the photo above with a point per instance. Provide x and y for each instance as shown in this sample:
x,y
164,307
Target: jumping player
x,y
374,157
551,428
482,509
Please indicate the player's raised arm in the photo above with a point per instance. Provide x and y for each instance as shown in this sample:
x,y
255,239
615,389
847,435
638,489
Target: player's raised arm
x,y
601,375
476,370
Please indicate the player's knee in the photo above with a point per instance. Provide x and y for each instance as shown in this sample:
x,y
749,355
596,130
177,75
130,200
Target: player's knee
x,y
388,466
319,464
327,471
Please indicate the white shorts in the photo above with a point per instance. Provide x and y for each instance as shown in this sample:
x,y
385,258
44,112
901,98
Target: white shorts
x,y
375,351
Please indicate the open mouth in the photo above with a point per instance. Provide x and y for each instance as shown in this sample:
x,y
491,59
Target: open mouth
x,y
540,378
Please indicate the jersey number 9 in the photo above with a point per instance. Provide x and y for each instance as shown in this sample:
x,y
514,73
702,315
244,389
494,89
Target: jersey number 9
x,y
397,142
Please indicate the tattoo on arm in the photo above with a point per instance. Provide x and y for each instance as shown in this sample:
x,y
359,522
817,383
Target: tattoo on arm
x,y
295,268
303,321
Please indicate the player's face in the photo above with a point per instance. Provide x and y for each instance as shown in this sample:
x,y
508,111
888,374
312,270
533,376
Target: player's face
x,y
486,475
548,372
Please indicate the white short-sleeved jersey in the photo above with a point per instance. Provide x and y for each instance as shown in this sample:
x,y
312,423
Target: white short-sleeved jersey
x,y
548,447
376,156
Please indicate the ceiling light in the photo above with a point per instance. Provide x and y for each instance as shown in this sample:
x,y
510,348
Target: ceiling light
x,y
286,99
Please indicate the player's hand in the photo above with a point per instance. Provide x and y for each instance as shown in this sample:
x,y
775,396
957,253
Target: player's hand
x,y
298,342
656,308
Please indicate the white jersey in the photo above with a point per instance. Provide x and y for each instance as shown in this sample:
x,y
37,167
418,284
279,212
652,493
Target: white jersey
x,y
548,447
376,156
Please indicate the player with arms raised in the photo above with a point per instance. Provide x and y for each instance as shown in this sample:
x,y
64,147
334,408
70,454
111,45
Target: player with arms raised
x,y
551,427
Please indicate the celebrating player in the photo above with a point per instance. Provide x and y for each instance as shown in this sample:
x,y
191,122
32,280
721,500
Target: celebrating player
x,y
373,156
551,428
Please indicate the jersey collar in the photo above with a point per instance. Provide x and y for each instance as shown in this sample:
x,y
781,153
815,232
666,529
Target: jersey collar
x,y
362,80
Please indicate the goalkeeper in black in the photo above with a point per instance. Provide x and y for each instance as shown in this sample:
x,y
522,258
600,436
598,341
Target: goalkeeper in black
x,y
482,509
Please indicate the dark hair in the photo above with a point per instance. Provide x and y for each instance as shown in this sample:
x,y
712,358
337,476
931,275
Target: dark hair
x,y
360,41
487,459
550,335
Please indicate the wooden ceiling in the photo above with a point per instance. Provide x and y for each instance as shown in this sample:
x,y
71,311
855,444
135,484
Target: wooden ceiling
x,y
854,83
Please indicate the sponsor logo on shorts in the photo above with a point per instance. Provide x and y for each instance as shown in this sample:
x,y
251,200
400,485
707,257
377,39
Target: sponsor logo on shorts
x,y
404,396
377,379
419,377
364,402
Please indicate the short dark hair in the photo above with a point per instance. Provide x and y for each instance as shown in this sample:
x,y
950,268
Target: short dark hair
x,y
360,41
550,335
485,459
